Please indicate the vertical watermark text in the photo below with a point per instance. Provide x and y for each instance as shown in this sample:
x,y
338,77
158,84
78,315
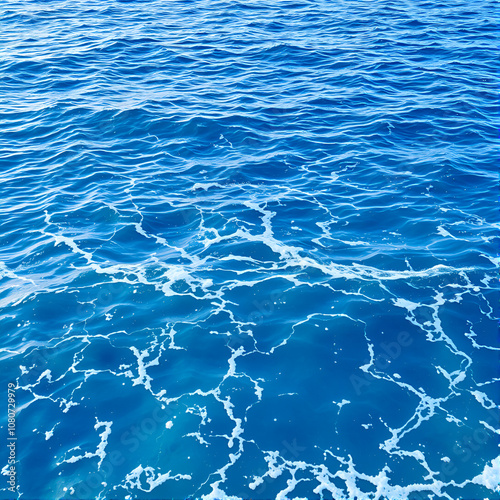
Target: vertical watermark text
x,y
11,436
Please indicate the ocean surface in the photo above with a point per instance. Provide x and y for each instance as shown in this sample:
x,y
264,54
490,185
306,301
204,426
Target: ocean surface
x,y
249,250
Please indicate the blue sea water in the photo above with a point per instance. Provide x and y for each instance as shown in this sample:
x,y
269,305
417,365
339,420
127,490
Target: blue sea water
x,y
249,249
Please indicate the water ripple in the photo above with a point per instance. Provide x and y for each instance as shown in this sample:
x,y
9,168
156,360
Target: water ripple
x,y
249,250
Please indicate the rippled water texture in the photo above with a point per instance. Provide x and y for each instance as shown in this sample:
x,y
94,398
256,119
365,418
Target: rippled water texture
x,y
248,249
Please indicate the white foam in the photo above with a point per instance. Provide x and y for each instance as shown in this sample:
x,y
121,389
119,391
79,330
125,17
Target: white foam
x,y
217,493
490,477
49,434
342,403
482,398
406,304
100,451
133,479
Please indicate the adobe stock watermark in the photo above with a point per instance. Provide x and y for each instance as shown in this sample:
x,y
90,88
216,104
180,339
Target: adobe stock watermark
x,y
390,352
130,441
471,444
11,437
39,359
262,311
106,295
468,447
265,308
290,451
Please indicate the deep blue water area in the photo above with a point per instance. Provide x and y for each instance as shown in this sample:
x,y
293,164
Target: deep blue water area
x,y
249,250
